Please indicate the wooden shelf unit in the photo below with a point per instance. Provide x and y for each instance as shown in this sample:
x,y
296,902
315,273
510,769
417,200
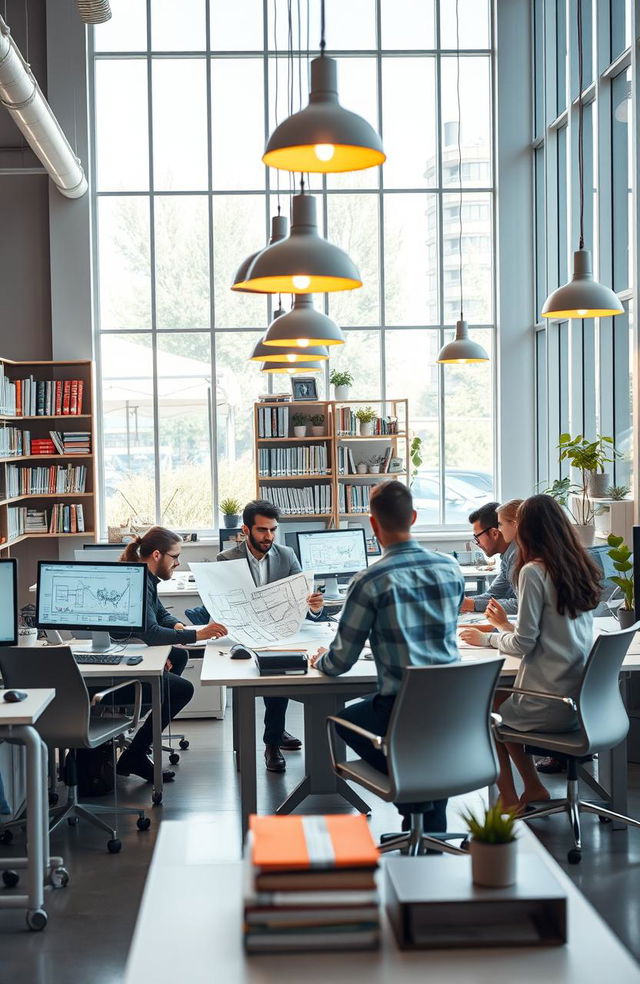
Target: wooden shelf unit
x,y
39,426
332,440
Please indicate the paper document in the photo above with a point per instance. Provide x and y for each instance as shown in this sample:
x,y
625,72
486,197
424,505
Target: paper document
x,y
254,616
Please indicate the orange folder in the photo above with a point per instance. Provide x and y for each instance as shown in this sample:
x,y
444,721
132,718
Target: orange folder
x,y
313,843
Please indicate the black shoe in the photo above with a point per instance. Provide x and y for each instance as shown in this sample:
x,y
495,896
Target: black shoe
x,y
274,759
549,765
289,742
139,765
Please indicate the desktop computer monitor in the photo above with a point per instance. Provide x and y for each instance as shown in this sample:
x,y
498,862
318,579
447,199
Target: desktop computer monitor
x,y
332,554
600,555
95,597
9,602
99,552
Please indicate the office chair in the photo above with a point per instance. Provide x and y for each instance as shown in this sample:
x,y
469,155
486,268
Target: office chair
x,y
602,724
438,744
68,723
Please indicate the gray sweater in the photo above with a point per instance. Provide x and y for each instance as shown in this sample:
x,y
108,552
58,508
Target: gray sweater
x,y
502,585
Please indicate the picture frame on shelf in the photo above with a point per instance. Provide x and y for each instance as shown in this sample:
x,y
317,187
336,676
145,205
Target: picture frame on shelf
x,y
231,537
304,388
395,465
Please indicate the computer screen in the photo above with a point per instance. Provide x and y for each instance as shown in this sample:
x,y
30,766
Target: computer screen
x,y
603,561
8,602
333,553
93,596
99,552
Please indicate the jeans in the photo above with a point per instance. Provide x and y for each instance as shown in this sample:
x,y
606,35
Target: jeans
x,y
176,694
275,709
373,714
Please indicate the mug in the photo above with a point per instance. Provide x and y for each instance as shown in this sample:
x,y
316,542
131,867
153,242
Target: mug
x,y
27,636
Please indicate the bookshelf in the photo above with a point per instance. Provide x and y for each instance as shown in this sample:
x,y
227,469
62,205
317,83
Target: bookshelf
x,y
315,476
44,477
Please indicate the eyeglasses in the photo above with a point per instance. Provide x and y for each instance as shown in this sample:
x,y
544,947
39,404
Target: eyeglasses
x,y
476,536
173,556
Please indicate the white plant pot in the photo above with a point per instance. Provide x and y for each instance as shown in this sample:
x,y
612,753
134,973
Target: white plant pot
x,y
361,468
300,431
374,469
342,392
27,636
493,865
586,534
598,484
317,431
366,428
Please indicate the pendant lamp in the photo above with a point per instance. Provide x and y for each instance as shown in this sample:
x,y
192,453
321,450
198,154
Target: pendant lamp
x,y
302,327
279,230
288,367
304,262
582,296
268,353
462,349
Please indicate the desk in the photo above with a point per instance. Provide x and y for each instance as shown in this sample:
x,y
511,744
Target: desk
x,y
320,694
479,574
17,725
206,933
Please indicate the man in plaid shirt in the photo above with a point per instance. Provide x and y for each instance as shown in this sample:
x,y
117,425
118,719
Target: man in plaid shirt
x,y
407,605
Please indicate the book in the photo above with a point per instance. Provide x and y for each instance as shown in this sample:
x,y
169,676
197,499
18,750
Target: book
x,y
314,843
66,396
347,879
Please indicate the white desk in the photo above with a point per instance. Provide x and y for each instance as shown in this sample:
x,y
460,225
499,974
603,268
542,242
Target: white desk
x,y
479,573
17,725
206,934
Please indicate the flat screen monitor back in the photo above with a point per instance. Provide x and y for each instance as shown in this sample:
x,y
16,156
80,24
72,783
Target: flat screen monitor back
x,y
8,602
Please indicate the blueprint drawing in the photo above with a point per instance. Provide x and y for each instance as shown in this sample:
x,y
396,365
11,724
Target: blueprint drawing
x,y
254,616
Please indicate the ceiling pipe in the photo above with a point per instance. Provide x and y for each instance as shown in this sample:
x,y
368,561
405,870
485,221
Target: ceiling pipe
x,y
23,98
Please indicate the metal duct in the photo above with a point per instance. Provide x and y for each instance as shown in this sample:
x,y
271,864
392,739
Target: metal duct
x,y
94,11
22,96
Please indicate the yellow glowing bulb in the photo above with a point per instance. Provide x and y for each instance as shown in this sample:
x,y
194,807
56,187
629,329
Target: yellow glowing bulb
x,y
324,152
301,282
290,357
302,342
582,312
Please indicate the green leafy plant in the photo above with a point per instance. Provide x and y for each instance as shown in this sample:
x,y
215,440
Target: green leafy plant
x,y
415,453
341,378
317,419
585,455
230,506
560,490
366,415
299,419
623,562
618,492
495,825
375,459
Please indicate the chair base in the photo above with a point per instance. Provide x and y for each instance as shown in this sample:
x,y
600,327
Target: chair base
x,y
414,841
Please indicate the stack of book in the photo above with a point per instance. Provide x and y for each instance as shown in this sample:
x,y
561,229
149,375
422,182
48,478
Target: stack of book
x,y
42,445
72,442
347,423
313,500
21,520
14,441
45,480
310,884
31,397
67,518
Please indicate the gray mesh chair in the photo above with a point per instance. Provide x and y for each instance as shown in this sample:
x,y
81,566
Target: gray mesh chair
x,y
69,723
603,724
438,744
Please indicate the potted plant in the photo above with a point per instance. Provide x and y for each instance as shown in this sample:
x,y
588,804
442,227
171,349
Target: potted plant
x,y
589,457
415,453
366,416
361,467
623,562
574,499
317,424
375,463
342,382
618,492
299,421
230,509
492,846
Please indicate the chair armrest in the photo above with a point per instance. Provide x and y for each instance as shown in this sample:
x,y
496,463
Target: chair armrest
x,y
538,693
376,740
137,704
496,719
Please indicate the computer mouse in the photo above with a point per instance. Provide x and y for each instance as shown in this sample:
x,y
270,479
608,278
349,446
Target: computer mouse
x,y
239,652
13,696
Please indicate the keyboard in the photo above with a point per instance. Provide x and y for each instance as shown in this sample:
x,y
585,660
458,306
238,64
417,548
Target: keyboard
x,y
110,658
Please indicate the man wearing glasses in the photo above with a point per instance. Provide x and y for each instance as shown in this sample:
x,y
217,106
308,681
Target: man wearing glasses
x,y
487,535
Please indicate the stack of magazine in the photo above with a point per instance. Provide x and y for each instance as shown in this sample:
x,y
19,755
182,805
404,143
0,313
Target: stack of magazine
x,y
310,884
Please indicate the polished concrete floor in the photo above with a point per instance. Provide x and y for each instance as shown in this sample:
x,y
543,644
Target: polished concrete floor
x,y
91,921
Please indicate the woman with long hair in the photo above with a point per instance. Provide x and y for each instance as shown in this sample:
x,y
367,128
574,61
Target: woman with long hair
x,y
508,519
558,588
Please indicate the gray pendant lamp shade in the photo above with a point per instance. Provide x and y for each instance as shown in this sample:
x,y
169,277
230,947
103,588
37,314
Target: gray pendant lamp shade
x,y
303,263
582,297
268,353
324,137
288,367
303,327
279,230
462,348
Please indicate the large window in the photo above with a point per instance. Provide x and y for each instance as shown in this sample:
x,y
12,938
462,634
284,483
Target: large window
x,y
584,367
183,102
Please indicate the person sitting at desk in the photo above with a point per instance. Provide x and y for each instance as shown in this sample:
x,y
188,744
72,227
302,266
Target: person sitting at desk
x,y
268,561
159,549
558,588
407,605
492,540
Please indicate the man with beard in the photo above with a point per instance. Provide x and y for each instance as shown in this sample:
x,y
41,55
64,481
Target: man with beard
x,y
269,561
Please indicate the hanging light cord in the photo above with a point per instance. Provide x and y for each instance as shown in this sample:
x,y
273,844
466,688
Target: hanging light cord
x,y
580,126
459,159
322,40
275,48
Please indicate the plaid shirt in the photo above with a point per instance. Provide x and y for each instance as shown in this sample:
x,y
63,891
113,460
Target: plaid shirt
x,y
407,603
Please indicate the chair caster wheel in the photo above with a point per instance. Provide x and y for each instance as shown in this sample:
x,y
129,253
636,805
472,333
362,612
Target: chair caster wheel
x,y
184,743
114,846
604,819
574,856
53,799
37,920
73,821
59,878
156,799
6,837
143,823
10,879
174,758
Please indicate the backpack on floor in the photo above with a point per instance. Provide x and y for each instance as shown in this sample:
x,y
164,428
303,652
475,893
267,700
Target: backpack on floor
x,y
94,770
